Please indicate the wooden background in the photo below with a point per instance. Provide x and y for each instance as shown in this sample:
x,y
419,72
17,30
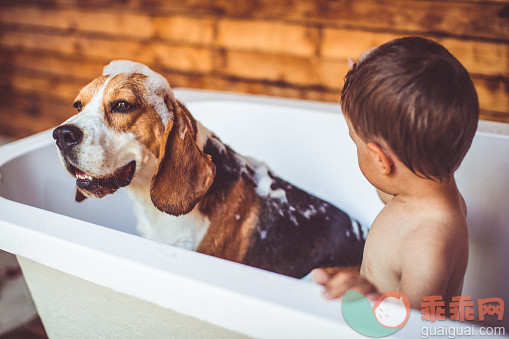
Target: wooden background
x,y
49,49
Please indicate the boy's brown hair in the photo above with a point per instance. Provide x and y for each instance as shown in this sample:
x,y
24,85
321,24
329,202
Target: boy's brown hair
x,y
416,97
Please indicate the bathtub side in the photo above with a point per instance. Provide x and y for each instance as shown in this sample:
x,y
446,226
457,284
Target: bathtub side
x,y
71,307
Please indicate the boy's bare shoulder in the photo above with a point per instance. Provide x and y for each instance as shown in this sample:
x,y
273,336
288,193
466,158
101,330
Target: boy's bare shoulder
x,y
437,234
437,231
437,223
424,231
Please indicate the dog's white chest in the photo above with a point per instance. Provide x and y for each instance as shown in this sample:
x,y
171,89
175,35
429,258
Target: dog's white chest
x,y
185,231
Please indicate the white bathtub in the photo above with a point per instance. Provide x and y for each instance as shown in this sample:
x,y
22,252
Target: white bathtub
x,y
91,276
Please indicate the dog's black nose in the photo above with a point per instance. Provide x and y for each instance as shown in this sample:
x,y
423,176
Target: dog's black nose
x,y
67,136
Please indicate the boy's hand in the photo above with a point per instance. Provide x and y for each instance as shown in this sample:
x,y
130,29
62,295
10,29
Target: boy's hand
x,y
337,284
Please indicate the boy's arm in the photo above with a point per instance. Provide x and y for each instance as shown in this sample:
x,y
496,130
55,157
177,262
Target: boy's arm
x,y
422,275
426,269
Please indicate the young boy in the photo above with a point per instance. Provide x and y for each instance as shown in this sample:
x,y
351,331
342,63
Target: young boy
x,y
412,112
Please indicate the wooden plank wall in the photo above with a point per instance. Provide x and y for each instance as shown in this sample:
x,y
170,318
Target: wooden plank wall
x,y
49,49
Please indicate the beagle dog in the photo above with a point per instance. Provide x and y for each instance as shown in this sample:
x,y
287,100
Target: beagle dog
x,y
189,189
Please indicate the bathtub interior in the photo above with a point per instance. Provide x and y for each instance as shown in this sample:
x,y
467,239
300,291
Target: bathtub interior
x,y
38,179
310,148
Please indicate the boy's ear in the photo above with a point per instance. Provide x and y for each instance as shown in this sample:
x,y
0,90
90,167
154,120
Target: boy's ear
x,y
383,159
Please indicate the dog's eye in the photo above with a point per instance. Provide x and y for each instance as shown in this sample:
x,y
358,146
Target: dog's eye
x,y
121,106
78,105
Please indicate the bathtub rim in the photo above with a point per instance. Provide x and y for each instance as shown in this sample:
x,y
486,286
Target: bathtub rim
x,y
36,234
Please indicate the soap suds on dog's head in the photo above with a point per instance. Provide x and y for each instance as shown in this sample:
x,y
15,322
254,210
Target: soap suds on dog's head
x,y
158,87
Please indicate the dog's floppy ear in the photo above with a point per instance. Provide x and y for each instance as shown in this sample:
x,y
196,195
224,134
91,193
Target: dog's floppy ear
x,y
184,173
